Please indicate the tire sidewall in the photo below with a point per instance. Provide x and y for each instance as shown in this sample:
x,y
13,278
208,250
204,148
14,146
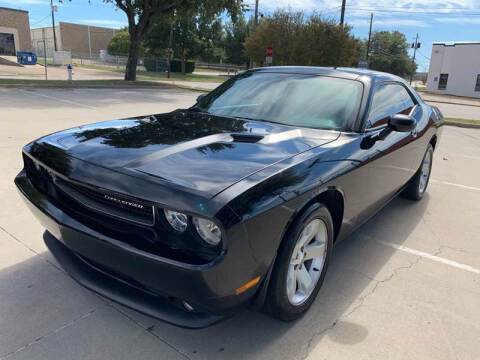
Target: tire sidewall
x,y
282,307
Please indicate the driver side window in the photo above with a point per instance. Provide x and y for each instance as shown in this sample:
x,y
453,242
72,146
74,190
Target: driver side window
x,y
388,100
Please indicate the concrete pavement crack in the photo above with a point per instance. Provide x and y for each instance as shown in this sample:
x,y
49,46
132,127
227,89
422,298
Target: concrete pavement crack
x,y
48,334
359,305
149,331
2,357
30,249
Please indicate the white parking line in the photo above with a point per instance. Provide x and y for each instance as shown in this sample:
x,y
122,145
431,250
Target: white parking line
x,y
431,257
453,184
57,99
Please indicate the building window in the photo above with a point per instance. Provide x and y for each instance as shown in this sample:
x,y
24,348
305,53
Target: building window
x,y
7,44
477,85
442,83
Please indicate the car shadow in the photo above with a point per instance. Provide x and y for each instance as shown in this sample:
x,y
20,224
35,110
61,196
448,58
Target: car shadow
x,y
359,264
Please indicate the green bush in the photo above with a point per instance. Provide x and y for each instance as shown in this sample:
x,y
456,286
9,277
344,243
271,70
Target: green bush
x,y
176,66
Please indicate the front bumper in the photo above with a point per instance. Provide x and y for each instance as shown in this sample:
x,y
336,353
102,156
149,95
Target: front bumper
x,y
145,282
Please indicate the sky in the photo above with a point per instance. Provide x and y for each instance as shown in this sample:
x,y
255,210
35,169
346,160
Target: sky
x,y
448,20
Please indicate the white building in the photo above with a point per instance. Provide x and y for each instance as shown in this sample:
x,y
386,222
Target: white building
x,y
455,68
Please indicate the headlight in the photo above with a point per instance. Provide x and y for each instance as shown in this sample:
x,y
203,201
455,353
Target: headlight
x,y
208,230
177,220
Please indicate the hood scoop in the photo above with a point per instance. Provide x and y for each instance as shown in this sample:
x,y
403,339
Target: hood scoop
x,y
246,138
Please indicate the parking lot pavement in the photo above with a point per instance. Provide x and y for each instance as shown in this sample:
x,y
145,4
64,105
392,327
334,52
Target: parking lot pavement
x,y
406,285
460,111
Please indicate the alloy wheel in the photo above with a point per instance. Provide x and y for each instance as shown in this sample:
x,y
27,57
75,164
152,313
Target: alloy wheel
x,y
307,262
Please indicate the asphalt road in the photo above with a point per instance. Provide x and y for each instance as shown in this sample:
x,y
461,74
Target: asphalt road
x,y
405,286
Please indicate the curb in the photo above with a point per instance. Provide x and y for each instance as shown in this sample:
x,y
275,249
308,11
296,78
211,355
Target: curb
x,y
76,86
463,125
81,87
451,103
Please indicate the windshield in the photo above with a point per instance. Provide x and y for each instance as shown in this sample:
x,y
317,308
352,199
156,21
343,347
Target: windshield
x,y
291,99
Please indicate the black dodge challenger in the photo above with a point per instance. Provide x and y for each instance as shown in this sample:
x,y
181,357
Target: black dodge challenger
x,y
237,201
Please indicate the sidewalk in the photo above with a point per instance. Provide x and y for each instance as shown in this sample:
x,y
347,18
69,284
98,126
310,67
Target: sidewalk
x,y
191,85
37,72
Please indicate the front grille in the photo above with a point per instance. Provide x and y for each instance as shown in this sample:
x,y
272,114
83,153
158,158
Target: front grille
x,y
106,202
109,203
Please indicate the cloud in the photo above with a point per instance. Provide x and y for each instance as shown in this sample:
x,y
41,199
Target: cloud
x,y
389,23
104,22
19,3
458,20
319,5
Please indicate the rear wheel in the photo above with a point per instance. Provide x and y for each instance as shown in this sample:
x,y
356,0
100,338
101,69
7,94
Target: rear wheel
x,y
418,183
301,264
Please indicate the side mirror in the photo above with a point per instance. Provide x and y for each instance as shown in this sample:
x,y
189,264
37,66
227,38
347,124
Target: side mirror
x,y
402,123
200,97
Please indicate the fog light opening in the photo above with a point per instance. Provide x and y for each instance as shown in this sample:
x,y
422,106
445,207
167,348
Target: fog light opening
x,y
187,306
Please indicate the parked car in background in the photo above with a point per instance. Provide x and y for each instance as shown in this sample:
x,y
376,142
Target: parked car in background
x,y
237,201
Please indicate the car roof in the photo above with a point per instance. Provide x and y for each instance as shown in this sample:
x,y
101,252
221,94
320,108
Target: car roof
x,y
342,72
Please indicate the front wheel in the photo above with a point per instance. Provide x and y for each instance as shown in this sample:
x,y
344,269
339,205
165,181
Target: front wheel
x,y
418,183
301,264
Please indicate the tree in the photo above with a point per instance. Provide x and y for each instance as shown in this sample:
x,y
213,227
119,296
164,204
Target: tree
x,y
210,37
235,36
120,43
300,40
141,12
194,36
389,53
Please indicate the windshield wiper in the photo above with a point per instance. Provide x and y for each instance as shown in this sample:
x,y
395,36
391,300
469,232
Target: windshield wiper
x,y
260,120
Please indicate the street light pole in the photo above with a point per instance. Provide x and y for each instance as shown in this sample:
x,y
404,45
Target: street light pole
x,y
53,25
45,54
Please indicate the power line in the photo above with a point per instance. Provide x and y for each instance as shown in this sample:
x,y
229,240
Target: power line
x,y
426,57
417,8
412,12
39,21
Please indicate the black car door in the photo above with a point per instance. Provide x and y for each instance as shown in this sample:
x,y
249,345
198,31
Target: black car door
x,y
385,164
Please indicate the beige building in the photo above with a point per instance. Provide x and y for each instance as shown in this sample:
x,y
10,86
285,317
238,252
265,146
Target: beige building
x,y
81,40
455,68
14,31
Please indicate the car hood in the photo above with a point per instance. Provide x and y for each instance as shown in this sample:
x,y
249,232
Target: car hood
x,y
196,151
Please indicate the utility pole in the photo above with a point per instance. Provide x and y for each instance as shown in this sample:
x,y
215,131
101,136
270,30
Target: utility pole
x,y
255,19
53,25
342,14
369,37
415,46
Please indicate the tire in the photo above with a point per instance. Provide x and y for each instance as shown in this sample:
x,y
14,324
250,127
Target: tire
x,y
418,184
287,305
